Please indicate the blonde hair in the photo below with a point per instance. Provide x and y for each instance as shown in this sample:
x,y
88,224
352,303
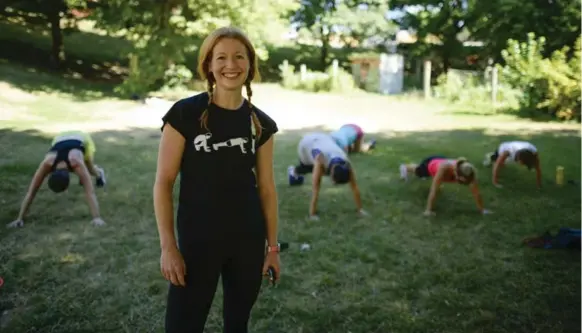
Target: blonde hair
x,y
204,57
466,170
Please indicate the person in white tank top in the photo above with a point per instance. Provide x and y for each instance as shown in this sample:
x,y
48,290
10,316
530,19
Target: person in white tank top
x,y
520,152
319,154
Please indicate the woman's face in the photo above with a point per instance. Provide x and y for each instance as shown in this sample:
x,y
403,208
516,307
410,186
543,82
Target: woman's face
x,y
229,64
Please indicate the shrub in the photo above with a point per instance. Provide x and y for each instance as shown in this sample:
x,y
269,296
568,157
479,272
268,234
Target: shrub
x,y
315,81
471,88
548,85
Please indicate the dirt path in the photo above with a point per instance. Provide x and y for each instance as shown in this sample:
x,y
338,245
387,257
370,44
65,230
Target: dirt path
x,y
296,110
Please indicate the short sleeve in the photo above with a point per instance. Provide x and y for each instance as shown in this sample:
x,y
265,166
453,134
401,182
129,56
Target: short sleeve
x,y
269,127
175,117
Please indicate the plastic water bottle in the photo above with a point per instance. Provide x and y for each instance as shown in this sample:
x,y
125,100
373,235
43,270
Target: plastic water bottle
x,y
560,175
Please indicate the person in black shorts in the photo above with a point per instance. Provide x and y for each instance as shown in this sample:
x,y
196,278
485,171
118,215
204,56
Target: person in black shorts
x,y
71,151
222,147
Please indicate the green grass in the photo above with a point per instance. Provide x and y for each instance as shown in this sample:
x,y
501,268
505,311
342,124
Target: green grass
x,y
395,271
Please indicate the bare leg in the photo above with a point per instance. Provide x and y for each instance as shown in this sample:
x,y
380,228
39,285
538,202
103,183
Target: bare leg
x,y
357,145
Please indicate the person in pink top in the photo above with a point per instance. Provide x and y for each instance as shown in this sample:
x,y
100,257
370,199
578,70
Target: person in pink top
x,y
442,169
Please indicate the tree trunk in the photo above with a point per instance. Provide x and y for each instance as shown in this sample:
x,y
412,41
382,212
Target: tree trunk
x,y
58,49
324,47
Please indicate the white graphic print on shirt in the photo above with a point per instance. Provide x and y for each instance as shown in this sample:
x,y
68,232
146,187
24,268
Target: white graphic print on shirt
x,y
201,142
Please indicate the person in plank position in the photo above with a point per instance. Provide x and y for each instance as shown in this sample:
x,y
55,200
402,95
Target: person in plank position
x,y
71,151
350,138
320,155
442,169
520,152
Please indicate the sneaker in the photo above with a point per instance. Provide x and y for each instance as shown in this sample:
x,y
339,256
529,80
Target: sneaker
x,y
487,160
372,144
100,181
291,171
403,172
294,179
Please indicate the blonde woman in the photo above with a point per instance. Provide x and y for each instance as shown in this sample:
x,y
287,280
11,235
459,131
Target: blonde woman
x,y
444,170
222,146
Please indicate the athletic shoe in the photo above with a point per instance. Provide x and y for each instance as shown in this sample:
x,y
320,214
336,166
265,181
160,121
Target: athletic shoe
x,y
403,172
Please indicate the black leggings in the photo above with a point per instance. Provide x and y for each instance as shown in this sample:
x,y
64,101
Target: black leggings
x,y
239,263
302,169
421,170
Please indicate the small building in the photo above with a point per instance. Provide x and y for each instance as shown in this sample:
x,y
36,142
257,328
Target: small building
x,y
378,72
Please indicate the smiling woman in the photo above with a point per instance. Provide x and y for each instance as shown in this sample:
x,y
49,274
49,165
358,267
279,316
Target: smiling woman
x,y
222,145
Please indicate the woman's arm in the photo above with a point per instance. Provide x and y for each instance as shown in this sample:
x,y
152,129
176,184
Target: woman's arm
x,y
85,176
436,183
41,172
92,167
316,185
497,166
169,157
355,189
477,195
267,191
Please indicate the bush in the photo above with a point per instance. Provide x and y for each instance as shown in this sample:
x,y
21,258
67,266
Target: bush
x,y
317,81
470,88
549,85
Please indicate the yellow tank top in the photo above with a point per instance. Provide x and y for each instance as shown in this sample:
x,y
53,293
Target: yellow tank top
x,y
90,148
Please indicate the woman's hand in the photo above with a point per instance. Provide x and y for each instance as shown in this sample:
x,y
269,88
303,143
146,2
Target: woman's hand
x,y
429,213
272,260
97,221
173,267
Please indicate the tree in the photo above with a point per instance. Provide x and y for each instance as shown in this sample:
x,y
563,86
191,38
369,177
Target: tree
x,y
444,19
52,12
164,31
363,22
497,21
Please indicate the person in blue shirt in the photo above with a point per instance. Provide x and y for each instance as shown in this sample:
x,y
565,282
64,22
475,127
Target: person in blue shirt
x,y
350,138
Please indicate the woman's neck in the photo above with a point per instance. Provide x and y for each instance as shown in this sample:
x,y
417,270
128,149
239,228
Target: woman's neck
x,y
230,100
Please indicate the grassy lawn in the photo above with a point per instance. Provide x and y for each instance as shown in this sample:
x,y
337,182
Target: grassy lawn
x,y
395,271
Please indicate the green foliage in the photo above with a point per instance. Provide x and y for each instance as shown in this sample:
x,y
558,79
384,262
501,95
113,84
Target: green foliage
x,y
363,55
165,32
372,83
471,89
549,86
177,76
315,81
497,21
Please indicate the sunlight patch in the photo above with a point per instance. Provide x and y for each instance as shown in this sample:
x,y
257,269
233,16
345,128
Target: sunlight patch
x,y
72,258
65,236
12,94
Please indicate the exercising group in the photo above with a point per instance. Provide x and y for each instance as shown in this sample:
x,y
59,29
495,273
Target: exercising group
x,y
321,154
222,145
327,154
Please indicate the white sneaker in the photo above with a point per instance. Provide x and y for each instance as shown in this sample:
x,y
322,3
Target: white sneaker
x,y
403,172
487,160
101,177
291,171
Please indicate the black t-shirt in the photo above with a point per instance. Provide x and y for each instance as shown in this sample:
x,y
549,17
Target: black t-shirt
x,y
217,181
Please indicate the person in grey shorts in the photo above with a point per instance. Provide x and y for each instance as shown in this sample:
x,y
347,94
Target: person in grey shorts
x,y
320,155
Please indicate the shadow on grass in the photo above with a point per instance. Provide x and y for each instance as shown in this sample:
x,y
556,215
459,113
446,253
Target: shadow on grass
x,y
33,79
533,115
458,272
94,63
488,110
